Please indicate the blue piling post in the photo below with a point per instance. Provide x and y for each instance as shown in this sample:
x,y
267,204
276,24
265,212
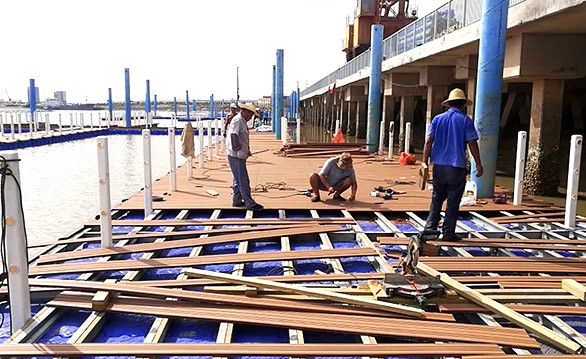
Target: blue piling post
x,y
175,106
156,105
273,101
212,107
147,100
193,106
127,104
187,104
488,94
374,115
110,103
32,96
279,92
298,97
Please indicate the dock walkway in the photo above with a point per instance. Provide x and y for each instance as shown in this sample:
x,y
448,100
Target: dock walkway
x,y
283,178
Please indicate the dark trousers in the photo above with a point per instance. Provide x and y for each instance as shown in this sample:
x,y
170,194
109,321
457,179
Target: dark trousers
x,y
241,185
448,183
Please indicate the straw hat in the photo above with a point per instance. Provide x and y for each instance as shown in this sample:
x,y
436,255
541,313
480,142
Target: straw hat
x,y
345,161
457,94
248,106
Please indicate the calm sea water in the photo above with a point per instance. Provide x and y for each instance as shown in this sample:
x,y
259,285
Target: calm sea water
x,y
60,181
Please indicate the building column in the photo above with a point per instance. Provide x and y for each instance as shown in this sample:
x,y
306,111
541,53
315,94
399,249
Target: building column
x,y
436,94
543,161
471,94
361,114
352,118
343,116
406,115
388,115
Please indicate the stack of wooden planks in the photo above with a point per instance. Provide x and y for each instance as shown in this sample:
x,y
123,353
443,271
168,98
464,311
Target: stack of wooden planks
x,y
324,150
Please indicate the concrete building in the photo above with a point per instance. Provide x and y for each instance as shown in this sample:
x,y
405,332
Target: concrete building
x,y
264,102
544,88
61,97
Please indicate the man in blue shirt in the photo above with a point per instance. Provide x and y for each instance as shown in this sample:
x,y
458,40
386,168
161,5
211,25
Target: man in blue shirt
x,y
448,135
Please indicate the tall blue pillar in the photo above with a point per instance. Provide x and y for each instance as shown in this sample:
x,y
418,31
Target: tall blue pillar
x,y
193,106
110,104
156,105
489,91
298,97
212,107
187,104
147,100
273,99
127,104
374,115
32,96
175,106
279,93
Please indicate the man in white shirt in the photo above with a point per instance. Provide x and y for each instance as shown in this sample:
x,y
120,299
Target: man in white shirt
x,y
238,150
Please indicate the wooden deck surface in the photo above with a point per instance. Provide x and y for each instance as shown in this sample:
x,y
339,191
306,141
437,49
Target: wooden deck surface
x,y
269,168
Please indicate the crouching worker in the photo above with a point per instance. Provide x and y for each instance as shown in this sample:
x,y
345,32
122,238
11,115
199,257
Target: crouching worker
x,y
335,177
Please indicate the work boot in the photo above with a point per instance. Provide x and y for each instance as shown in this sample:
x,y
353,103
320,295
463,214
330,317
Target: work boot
x,y
256,207
315,199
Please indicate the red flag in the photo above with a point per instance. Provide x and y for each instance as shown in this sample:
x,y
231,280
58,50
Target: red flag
x,y
333,89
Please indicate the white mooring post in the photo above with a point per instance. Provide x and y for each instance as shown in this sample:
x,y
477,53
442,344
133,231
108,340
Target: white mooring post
x,y
573,180
284,130
47,124
19,120
520,168
105,198
217,136
407,137
210,157
391,140
81,122
201,146
60,124
76,119
223,134
108,119
148,176
31,124
337,127
12,126
381,138
298,130
99,120
2,116
91,121
16,250
172,160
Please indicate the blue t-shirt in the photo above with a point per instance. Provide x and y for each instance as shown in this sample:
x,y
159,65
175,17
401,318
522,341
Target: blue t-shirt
x,y
451,131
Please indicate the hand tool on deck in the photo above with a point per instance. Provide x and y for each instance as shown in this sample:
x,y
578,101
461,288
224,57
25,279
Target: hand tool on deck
x,y
423,176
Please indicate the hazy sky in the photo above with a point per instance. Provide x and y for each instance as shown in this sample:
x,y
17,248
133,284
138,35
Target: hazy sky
x,y
83,46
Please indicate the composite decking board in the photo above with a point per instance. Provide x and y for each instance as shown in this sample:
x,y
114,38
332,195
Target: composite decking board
x,y
406,328
479,241
247,349
217,298
182,243
277,278
527,216
134,264
311,292
179,235
491,244
521,308
219,222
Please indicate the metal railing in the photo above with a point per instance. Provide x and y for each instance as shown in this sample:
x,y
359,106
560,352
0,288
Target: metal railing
x,y
446,19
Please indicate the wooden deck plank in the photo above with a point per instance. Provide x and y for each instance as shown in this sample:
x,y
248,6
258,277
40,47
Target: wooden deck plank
x,y
247,349
202,260
182,243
